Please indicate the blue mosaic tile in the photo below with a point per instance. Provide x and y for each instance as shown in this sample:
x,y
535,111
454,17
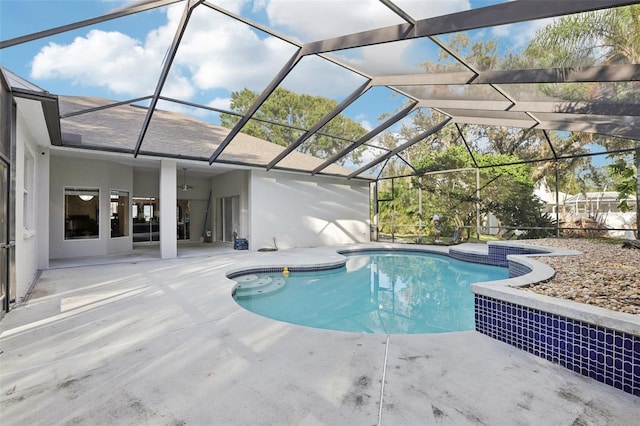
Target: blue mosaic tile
x,y
517,270
606,355
497,256
498,253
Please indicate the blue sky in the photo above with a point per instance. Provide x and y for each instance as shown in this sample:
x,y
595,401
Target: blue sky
x,y
122,59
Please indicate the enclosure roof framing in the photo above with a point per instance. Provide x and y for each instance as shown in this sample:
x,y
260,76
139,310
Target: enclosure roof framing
x,y
463,92
490,16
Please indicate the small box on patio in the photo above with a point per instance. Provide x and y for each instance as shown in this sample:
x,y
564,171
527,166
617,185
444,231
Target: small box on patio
x,y
241,244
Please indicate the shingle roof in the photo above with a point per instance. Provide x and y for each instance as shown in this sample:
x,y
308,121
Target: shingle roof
x,y
170,133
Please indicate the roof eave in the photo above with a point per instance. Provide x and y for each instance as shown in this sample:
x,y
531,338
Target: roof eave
x,y
50,110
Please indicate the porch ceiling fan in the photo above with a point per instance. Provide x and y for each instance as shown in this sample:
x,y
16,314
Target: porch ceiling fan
x,y
184,185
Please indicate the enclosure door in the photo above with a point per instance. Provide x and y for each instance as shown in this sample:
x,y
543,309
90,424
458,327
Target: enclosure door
x,y
146,219
5,245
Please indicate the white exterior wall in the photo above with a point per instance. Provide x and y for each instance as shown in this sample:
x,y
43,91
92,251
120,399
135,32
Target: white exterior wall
x,y
306,211
146,183
228,185
76,172
31,170
42,203
198,211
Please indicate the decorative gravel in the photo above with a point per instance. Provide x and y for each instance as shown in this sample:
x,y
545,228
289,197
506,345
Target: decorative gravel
x,y
605,275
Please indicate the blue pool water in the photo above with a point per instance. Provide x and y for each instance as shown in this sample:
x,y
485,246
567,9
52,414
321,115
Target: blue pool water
x,y
376,292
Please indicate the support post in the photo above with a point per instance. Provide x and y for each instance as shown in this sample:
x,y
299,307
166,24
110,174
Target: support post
x,y
478,203
420,210
376,212
555,163
168,220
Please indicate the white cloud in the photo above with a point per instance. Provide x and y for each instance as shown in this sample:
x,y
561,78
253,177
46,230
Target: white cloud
x,y
98,60
382,59
366,124
313,20
216,52
520,34
234,6
219,53
178,86
318,77
222,53
317,20
422,9
220,103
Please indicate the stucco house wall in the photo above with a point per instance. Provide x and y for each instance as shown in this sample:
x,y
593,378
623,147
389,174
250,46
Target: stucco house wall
x,y
306,211
32,174
86,173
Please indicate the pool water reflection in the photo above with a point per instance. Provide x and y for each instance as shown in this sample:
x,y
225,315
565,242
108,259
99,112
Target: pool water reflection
x,y
389,292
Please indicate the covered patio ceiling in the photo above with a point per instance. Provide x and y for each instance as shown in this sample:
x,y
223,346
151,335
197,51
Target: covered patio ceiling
x,y
438,82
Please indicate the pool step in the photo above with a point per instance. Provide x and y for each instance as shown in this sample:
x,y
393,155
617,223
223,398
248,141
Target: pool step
x,y
252,285
252,281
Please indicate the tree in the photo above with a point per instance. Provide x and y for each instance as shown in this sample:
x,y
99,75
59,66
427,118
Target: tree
x,y
526,144
607,36
451,193
285,116
585,39
505,191
626,182
610,36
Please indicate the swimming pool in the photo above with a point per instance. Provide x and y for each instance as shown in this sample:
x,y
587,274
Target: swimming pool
x,y
390,292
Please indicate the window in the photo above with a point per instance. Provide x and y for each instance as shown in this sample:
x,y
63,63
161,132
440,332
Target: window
x,y
119,213
82,213
28,192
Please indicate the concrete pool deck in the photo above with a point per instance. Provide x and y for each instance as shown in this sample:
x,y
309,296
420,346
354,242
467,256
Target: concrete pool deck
x,y
162,342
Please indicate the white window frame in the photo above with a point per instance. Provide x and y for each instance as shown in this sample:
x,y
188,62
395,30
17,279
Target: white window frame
x,y
64,205
128,210
28,191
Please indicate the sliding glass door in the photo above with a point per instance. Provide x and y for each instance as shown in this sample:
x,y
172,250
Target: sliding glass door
x,y
227,218
146,219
